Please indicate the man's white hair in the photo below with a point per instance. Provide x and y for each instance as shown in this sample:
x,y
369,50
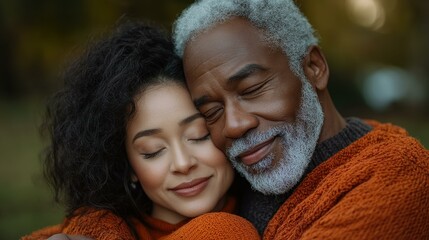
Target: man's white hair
x,y
281,20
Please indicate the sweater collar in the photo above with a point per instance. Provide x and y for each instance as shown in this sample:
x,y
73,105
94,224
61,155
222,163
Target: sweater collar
x,y
354,130
262,207
158,228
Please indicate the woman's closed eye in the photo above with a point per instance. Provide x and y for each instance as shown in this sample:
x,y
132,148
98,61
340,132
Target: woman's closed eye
x,y
152,154
200,139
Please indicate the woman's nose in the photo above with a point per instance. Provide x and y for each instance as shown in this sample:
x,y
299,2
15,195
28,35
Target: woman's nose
x,y
182,161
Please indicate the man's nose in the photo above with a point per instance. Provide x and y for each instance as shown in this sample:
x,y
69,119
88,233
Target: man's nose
x,y
182,161
238,121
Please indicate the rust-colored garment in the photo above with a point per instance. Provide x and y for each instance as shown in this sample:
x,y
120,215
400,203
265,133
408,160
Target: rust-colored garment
x,y
104,225
376,188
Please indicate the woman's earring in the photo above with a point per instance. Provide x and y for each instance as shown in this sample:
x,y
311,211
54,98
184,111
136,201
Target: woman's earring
x,y
133,185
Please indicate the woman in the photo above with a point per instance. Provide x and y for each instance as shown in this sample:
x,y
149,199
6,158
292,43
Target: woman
x,y
130,156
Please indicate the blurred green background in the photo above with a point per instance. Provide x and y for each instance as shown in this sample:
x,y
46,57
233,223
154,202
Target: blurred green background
x,y
377,50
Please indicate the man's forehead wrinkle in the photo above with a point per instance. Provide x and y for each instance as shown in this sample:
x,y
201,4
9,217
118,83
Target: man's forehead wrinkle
x,y
203,64
215,65
197,63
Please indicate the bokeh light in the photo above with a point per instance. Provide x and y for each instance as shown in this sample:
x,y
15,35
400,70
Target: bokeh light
x,y
367,13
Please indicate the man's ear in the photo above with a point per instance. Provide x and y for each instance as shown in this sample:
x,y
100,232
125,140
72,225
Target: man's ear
x,y
316,68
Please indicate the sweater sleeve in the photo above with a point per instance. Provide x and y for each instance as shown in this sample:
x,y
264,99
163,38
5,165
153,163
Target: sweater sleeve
x,y
395,211
43,233
215,226
380,195
100,225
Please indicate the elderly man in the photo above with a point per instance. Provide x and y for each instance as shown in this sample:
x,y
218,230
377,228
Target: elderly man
x,y
256,73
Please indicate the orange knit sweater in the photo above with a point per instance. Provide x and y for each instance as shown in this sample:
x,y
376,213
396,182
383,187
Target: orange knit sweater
x,y
104,225
376,188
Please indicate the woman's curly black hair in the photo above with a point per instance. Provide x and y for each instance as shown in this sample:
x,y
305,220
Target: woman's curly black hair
x,y
86,162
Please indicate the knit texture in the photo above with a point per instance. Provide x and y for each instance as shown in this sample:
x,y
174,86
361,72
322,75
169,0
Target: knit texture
x,y
216,226
262,207
376,188
104,225
96,224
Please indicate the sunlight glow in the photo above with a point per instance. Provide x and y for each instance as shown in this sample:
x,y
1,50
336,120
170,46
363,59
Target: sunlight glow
x,y
367,13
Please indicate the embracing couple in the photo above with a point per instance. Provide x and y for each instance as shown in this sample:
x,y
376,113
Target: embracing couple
x,y
146,133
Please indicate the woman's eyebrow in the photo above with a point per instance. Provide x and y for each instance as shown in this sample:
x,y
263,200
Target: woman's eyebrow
x,y
154,131
145,133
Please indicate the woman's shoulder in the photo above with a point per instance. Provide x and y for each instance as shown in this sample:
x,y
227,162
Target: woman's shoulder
x,y
97,224
91,222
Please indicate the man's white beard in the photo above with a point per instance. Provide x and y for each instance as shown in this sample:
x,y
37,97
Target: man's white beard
x,y
298,140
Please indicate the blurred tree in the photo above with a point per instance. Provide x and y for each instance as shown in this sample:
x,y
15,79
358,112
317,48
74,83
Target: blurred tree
x,y
37,36
359,36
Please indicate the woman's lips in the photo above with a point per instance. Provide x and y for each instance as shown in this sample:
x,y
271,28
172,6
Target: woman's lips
x,y
192,188
257,153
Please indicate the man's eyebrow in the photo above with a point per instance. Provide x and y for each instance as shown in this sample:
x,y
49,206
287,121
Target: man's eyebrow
x,y
190,119
245,72
147,132
200,101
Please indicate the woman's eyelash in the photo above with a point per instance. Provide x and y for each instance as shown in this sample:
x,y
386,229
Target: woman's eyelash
x,y
151,155
205,137
157,153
